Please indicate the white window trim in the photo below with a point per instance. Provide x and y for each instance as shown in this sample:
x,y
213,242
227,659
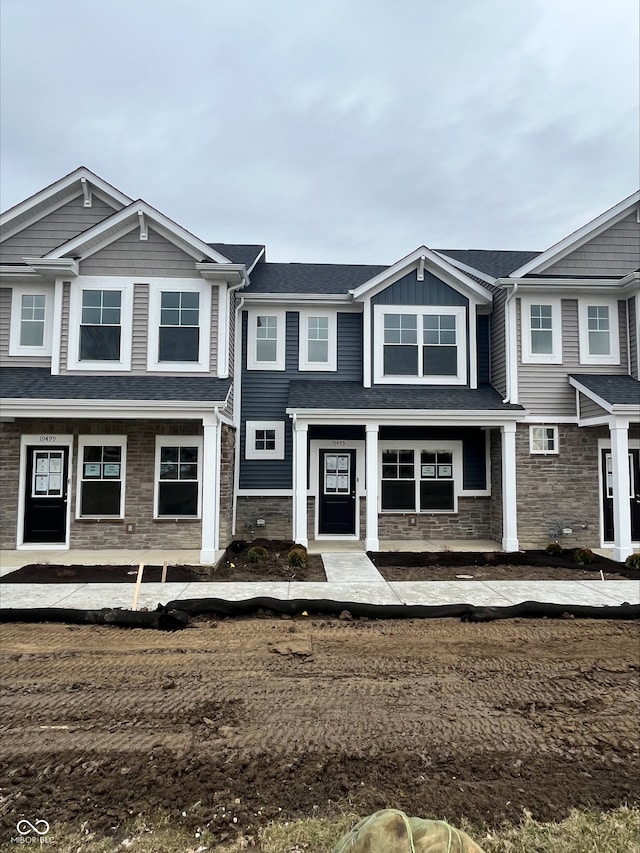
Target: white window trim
x,y
458,311
17,292
177,441
125,286
614,331
250,451
303,339
453,447
535,427
101,441
167,285
555,356
252,325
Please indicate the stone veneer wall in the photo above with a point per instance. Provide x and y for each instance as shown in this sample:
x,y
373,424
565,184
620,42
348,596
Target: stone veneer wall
x,y
90,534
495,454
276,511
227,455
472,521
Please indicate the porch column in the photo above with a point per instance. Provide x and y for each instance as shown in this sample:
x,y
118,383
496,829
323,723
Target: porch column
x,y
300,456
509,511
621,489
210,467
371,470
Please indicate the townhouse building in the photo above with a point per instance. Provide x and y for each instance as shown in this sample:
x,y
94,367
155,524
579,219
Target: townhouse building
x,y
162,391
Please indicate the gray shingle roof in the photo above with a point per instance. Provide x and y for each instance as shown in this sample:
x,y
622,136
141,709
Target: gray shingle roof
x,y
305,394
238,253
494,262
310,278
17,383
615,389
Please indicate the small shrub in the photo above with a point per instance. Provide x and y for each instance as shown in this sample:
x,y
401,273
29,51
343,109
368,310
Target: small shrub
x,y
553,548
583,556
633,562
297,556
257,554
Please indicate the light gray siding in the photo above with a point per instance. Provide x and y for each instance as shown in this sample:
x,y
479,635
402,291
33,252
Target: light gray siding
x,y
54,229
5,326
544,389
632,306
614,252
139,328
589,409
132,256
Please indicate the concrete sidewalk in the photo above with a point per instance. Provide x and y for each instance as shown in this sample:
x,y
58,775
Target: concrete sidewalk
x,y
351,577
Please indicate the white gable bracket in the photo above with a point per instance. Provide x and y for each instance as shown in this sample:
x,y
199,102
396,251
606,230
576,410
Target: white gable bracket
x,y
144,233
86,192
421,268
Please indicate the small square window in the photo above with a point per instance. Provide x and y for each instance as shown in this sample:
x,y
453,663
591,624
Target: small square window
x,y
543,439
264,440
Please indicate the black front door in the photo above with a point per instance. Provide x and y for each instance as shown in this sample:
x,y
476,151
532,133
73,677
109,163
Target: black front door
x,y
45,504
634,494
337,482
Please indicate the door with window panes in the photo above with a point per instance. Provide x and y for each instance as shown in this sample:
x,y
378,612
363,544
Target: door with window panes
x,y
337,499
634,494
45,509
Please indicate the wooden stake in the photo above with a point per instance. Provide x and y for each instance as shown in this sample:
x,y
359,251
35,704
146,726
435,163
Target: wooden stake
x,y
136,592
164,571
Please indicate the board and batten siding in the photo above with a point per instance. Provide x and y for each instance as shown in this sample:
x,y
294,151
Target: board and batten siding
x,y
139,331
589,409
632,307
544,389
7,360
614,252
497,351
265,395
131,256
54,229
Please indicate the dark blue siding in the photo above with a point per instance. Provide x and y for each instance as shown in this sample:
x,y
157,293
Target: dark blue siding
x,y
265,394
409,291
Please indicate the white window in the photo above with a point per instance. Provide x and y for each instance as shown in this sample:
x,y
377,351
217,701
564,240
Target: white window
x,y
541,330
100,324
599,336
266,330
264,440
317,340
425,345
179,326
422,478
178,477
31,320
101,469
543,439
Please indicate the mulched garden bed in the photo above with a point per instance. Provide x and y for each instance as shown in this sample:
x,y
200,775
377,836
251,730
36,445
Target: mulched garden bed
x,y
234,566
520,565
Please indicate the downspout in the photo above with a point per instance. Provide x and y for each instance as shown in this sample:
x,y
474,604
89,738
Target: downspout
x,y
508,342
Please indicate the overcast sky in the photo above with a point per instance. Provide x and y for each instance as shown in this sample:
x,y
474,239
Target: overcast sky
x,y
331,130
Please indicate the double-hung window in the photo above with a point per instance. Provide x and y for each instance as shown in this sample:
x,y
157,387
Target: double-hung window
x,y
31,320
318,341
101,467
266,339
541,322
599,337
179,326
426,345
100,314
419,479
178,477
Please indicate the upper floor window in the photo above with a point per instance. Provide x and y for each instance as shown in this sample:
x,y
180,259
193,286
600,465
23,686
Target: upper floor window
x,y
428,346
100,324
179,326
541,331
266,340
31,320
599,337
317,341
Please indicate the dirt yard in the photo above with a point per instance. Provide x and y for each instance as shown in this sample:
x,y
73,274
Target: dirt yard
x,y
232,723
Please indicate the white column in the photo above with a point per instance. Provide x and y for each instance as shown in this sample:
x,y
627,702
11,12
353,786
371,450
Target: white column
x,y
210,465
371,468
621,488
300,433
509,511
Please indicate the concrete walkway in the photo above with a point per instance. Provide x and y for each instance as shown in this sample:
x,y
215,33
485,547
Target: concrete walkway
x,y
351,576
